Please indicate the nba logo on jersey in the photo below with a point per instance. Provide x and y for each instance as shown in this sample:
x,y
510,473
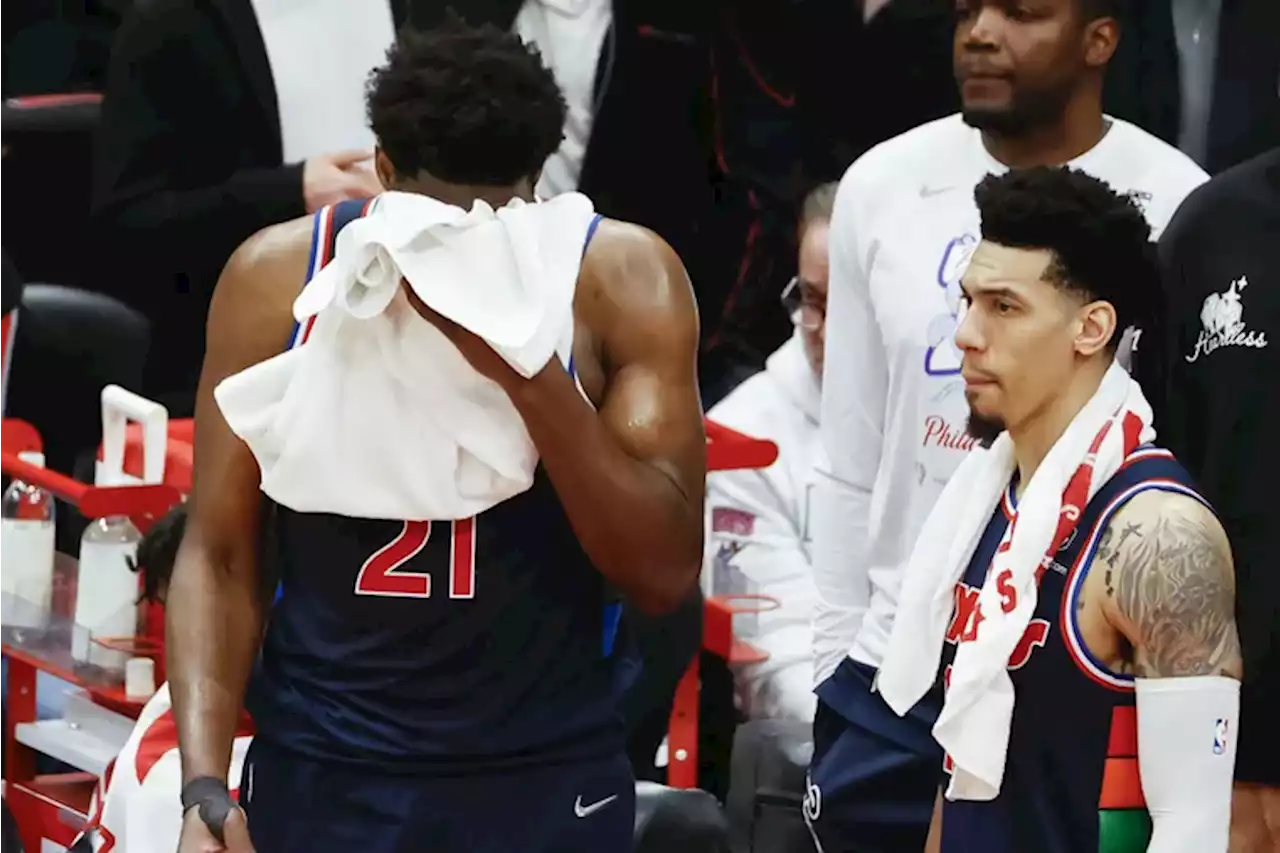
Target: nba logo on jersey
x,y
1220,737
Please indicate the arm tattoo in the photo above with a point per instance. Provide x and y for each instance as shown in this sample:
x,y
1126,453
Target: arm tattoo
x,y
1174,583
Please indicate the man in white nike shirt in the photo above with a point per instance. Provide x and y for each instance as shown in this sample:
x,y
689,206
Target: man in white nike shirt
x,y
893,407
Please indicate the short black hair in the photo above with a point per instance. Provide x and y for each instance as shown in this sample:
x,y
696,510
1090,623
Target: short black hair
x,y
157,552
468,105
1100,239
1095,9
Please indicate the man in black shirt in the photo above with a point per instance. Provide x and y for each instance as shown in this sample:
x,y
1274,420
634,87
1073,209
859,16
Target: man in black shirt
x,y
189,161
1215,372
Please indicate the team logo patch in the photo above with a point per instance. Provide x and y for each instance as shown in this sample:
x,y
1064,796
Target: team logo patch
x,y
737,522
943,357
1220,736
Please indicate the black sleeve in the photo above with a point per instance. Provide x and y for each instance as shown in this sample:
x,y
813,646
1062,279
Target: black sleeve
x,y
167,120
1158,363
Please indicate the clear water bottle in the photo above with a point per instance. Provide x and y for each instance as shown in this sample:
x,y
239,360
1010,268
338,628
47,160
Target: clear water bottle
x,y
106,592
27,540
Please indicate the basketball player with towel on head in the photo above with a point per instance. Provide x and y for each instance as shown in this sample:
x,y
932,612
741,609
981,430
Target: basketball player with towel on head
x,y
1071,592
481,719
893,409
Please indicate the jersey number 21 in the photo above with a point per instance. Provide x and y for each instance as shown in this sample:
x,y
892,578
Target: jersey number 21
x,y
385,574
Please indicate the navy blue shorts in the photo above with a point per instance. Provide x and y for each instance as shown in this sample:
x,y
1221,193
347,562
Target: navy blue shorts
x,y
297,805
874,775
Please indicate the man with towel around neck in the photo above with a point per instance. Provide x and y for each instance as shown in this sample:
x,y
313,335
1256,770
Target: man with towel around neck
x,y
1031,84
475,711
1071,592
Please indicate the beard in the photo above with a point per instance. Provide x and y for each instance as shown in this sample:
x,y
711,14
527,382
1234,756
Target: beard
x,y
983,429
1027,112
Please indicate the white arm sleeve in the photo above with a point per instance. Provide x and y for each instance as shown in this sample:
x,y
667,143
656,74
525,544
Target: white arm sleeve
x,y
1187,734
855,382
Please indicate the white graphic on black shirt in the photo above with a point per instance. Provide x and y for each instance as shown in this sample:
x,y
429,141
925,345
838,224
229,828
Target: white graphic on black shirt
x,y
1222,318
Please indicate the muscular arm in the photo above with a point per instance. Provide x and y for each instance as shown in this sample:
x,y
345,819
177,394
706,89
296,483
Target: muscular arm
x,y
214,609
933,842
1171,588
1171,593
630,477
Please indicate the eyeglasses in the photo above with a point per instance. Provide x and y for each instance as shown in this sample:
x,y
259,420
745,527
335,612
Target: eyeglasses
x,y
803,310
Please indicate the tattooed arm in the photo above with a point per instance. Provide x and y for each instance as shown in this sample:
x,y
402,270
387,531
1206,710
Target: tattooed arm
x,y
1171,588
1170,592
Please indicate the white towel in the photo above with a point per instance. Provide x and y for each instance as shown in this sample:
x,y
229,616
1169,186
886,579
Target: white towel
x,y
378,415
973,727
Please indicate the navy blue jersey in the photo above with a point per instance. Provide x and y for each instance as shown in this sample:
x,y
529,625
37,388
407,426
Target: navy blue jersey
x,y
438,647
1071,780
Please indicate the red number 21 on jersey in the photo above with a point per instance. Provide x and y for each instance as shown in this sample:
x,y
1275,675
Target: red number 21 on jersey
x,y
383,574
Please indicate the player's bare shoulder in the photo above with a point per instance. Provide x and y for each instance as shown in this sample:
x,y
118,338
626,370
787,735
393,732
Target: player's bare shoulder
x,y
636,302
1170,586
255,293
633,280
271,265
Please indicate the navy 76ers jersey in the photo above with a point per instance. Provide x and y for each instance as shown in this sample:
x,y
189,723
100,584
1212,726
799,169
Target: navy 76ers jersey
x,y
1071,781
438,647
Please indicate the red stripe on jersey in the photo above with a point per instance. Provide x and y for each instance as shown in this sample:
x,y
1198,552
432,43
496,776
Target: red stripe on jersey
x,y
326,255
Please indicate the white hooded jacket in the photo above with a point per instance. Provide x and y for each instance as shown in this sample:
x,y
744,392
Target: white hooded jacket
x,y
758,532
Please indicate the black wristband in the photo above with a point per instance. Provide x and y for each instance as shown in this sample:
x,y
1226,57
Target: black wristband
x,y
211,796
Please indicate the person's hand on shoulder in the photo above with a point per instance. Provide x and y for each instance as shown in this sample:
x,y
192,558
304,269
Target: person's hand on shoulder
x,y
331,178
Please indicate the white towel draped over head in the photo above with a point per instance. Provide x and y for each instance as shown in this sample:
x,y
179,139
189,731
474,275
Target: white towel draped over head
x,y
974,724
378,415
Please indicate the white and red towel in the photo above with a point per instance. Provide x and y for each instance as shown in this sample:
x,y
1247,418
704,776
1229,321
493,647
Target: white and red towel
x,y
973,727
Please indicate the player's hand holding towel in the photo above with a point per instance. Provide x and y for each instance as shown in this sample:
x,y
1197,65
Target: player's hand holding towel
x,y
378,415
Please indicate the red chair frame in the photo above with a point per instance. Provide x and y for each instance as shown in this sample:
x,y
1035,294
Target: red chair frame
x,y
726,450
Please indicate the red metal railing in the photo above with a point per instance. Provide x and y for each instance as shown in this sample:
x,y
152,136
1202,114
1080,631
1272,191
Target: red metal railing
x,y
51,806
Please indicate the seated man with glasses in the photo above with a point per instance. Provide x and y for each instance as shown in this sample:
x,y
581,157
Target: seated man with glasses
x,y
758,520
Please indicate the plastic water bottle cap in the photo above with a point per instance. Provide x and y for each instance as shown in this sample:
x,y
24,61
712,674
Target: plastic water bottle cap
x,y
139,679
32,457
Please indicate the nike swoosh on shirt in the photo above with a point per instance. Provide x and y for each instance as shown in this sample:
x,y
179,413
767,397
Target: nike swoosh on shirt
x,y
580,810
929,192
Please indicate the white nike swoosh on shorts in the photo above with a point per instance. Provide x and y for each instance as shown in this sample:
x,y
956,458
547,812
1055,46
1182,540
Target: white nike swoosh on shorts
x,y
583,811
